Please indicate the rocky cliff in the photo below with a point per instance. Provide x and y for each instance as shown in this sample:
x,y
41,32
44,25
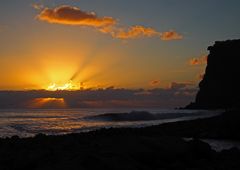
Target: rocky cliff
x,y
220,86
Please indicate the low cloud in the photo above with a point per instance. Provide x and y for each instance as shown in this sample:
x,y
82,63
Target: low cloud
x,y
177,95
68,15
198,61
183,85
154,83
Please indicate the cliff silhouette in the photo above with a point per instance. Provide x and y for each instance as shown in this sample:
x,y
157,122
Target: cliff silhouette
x,y
220,86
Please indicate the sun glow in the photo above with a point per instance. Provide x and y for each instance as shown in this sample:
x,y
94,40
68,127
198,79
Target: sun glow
x,y
48,102
67,86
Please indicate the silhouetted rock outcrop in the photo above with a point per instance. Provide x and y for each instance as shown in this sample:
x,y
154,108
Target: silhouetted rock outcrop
x,y
220,87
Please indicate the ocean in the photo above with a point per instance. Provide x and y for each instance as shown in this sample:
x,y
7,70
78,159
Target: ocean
x,y
29,122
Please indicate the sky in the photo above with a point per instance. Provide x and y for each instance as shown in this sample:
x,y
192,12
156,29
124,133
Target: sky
x,y
127,44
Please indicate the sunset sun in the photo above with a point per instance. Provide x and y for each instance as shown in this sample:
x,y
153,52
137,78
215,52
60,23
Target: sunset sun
x,y
66,86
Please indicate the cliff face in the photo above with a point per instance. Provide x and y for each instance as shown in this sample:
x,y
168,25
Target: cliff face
x,y
220,87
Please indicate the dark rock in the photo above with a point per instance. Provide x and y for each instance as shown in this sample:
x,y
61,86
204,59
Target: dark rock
x,y
15,138
220,87
200,148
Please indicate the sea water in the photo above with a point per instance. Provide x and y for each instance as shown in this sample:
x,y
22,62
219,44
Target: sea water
x,y
29,122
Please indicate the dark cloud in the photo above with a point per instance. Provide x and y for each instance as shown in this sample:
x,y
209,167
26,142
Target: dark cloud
x,y
177,85
176,96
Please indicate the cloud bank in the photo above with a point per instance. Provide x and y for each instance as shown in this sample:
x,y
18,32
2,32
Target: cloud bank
x,y
177,95
68,15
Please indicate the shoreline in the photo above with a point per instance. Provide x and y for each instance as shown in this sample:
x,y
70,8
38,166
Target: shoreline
x,y
96,121
156,147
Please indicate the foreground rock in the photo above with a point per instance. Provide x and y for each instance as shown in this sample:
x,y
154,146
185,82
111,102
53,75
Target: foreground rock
x,y
224,126
109,150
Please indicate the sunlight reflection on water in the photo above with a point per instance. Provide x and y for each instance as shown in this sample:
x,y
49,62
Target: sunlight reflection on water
x,y
62,121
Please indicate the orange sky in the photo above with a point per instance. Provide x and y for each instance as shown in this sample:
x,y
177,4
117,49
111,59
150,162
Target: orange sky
x,y
45,43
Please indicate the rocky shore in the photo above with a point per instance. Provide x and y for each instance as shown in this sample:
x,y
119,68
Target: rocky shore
x,y
156,147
